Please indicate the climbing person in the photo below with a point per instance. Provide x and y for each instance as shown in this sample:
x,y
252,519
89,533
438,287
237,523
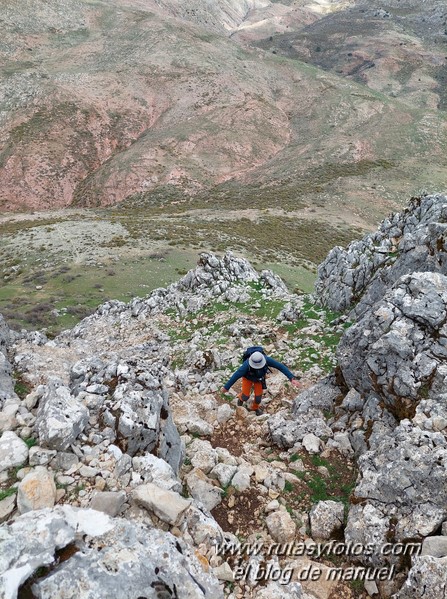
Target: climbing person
x,y
255,365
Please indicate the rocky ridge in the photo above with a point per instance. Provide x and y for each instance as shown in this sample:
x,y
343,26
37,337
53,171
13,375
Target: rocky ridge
x,y
121,415
138,430
392,358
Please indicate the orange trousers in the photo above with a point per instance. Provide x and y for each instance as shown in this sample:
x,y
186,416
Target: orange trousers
x,y
246,390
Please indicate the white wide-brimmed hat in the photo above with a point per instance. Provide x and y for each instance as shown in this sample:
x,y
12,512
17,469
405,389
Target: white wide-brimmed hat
x,y
257,360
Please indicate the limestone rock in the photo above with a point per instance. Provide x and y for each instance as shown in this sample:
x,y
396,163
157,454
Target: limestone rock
x,y
203,490
241,480
326,519
312,443
435,546
281,526
397,348
400,479
13,451
202,527
143,421
224,413
427,578
224,473
166,505
7,506
202,455
36,491
39,456
109,502
321,396
155,470
6,382
404,243
368,525
64,460
276,590
8,420
118,558
224,572
60,417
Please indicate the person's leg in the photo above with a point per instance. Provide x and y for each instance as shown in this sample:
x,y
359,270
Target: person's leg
x,y
258,398
245,393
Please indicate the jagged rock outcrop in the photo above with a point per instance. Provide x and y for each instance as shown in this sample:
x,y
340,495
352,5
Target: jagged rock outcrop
x,y
353,279
108,558
6,383
145,373
403,483
60,418
393,284
399,347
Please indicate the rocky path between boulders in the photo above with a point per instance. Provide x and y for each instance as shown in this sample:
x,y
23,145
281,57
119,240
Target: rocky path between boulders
x,y
123,415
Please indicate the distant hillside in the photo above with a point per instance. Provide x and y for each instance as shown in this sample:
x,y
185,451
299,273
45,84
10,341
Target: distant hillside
x,y
328,104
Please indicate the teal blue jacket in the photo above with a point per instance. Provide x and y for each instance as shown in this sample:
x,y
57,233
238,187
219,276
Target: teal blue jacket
x,y
257,375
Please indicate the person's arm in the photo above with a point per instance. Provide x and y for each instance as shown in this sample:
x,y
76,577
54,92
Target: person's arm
x,y
240,372
279,366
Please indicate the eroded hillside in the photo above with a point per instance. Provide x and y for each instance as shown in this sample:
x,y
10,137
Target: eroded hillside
x,y
106,101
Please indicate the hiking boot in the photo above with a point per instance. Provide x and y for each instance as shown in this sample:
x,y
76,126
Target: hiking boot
x,y
240,402
257,409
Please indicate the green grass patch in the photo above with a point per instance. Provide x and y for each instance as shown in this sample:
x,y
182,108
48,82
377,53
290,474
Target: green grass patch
x,y
7,493
30,442
71,292
288,486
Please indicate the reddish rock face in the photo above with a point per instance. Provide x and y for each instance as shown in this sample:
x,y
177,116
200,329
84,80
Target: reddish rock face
x,y
101,102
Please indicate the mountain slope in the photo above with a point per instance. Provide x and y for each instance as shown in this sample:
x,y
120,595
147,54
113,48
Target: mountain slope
x,y
103,101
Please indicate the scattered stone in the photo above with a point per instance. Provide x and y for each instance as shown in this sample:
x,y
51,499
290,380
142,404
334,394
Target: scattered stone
x,y
311,443
7,506
39,456
109,502
8,420
65,480
371,588
166,505
224,473
326,519
203,455
13,451
88,472
224,413
272,506
36,491
241,480
153,469
224,572
201,488
60,417
281,526
64,461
